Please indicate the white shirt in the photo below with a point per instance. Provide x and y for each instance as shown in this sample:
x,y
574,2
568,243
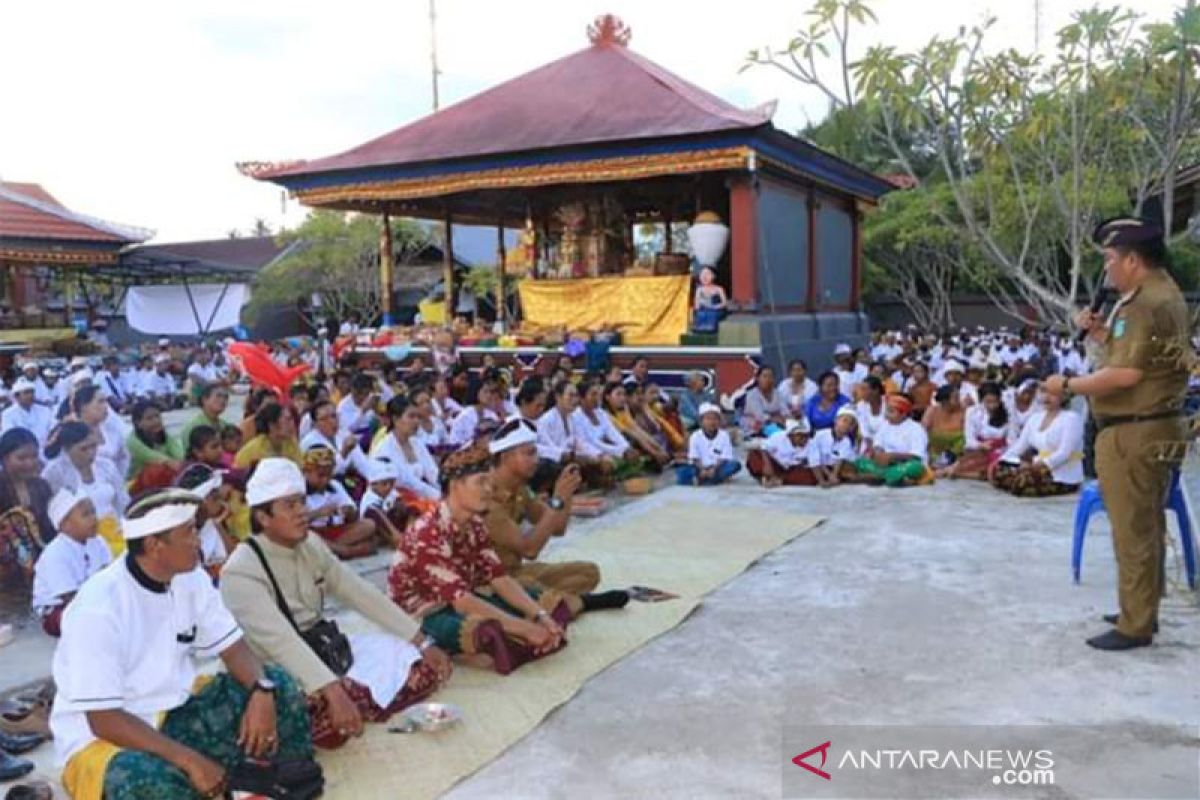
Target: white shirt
x,y
37,420
356,459
849,378
114,448
968,393
556,437
446,409
203,374
212,546
351,418
1059,447
601,437
977,427
787,455
796,398
436,436
869,423
1017,419
155,384
125,646
462,431
371,500
907,438
709,452
333,493
51,396
833,451
116,387
420,476
107,488
63,567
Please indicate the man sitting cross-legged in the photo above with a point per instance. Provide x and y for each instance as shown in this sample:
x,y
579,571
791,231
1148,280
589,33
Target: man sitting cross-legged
x,y
130,720
514,463
275,585
900,452
447,574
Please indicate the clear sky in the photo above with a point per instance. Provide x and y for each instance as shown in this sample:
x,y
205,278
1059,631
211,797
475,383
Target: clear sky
x,y
137,110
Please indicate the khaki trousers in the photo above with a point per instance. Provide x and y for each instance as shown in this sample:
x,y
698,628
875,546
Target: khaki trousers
x,y
1134,463
570,577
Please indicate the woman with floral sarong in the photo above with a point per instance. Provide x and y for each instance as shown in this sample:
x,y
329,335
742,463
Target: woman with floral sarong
x,y
986,434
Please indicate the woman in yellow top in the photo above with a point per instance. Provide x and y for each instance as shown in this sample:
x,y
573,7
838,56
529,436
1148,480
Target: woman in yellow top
x,y
276,427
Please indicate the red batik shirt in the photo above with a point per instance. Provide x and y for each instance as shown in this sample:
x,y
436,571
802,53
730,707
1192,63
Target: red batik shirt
x,y
438,561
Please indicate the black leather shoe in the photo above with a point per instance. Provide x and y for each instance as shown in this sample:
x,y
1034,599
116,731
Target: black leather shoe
x,y
1111,619
13,768
17,743
1115,640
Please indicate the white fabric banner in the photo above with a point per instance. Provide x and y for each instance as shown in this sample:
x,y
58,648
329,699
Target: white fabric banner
x,y
168,311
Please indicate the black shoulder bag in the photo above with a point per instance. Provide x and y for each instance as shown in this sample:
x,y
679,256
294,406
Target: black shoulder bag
x,y
324,638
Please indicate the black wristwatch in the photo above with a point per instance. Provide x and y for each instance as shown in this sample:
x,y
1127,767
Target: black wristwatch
x,y
556,504
264,685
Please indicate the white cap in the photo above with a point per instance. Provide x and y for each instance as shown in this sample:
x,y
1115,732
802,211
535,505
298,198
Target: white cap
x,y
521,433
978,362
162,358
708,408
164,342
63,503
81,376
274,478
209,486
164,518
23,385
797,426
952,366
49,372
381,469
846,411
78,361
842,350
29,364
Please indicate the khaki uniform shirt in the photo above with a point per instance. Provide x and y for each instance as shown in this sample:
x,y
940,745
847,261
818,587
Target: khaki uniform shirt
x,y
503,522
1149,332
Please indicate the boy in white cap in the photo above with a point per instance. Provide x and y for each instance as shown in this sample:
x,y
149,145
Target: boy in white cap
x,y
837,447
787,458
379,502
711,459
849,373
129,719
51,392
74,555
275,585
158,385
26,413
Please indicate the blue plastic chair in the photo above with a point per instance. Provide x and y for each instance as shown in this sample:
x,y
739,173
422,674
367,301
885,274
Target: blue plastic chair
x,y
1091,501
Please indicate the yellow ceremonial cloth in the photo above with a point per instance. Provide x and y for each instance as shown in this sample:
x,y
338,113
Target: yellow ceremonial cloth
x,y
647,310
433,312
110,532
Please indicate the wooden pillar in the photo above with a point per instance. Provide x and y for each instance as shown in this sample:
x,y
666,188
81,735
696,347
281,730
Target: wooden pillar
x,y
502,254
448,265
812,300
668,222
856,255
387,263
743,253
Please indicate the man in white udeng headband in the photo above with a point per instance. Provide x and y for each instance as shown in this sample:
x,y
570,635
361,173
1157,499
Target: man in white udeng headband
x,y
275,585
130,720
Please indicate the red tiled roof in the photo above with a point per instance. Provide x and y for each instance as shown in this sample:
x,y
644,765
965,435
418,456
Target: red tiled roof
x,y
603,93
27,211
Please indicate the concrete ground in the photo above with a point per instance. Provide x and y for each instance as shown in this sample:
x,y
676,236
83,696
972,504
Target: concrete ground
x,y
950,604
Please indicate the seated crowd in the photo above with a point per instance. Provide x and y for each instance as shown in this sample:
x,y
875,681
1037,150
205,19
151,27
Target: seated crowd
x,y
146,549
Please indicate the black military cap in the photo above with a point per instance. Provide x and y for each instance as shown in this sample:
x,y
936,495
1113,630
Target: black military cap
x,y
1121,231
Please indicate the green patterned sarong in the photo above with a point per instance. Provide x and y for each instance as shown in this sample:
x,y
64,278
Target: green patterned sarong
x,y
895,475
209,723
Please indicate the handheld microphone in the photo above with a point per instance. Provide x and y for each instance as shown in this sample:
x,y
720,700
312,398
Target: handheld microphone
x,y
1098,301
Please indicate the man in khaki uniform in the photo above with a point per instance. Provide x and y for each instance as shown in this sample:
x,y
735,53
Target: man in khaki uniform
x,y
1136,398
514,450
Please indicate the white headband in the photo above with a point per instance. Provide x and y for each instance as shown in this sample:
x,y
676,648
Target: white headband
x,y
160,520
520,434
209,486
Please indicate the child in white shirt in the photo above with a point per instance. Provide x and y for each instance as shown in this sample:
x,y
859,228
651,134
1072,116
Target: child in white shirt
x,y
710,453
74,555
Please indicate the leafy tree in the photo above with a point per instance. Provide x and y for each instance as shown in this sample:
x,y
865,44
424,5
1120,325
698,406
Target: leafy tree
x,y
336,258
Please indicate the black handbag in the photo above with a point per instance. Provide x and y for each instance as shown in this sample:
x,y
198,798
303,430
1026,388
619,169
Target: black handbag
x,y
324,638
